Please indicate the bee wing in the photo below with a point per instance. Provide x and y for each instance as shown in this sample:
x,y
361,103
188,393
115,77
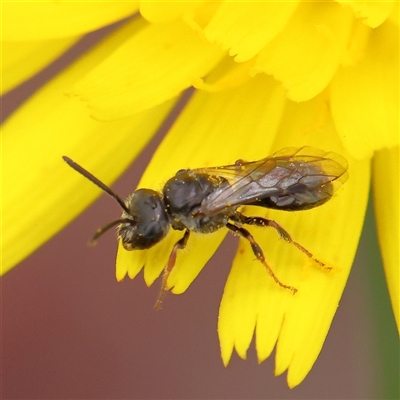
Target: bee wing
x,y
281,174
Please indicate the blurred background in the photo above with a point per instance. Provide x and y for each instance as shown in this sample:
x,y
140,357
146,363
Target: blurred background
x,y
69,330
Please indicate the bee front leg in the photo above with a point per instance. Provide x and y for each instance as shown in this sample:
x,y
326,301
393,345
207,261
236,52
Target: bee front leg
x,y
258,253
259,221
180,244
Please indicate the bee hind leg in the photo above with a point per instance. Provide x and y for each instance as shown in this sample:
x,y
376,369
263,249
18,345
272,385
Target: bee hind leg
x,y
180,244
259,221
258,253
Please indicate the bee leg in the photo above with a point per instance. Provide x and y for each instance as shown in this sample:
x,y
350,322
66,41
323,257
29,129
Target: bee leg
x,y
259,221
258,253
240,162
180,244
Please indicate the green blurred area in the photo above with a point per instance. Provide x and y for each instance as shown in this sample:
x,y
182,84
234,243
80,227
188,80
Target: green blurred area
x,y
384,337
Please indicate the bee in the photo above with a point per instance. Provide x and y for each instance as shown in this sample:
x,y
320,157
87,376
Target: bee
x,y
204,200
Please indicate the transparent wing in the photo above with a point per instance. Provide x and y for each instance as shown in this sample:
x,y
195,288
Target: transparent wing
x,y
288,172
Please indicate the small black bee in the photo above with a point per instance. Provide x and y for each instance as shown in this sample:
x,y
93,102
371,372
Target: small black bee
x,y
207,199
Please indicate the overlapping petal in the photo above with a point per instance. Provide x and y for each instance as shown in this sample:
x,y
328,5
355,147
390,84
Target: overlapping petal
x,y
386,173
43,20
245,30
157,12
372,13
36,182
153,66
22,59
253,301
307,53
365,96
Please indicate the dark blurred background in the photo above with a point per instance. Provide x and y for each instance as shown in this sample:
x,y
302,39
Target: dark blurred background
x,y
69,330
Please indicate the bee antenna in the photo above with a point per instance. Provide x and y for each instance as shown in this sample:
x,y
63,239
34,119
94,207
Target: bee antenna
x,y
105,228
97,182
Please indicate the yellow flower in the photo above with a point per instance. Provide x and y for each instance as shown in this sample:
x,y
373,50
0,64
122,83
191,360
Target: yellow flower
x,y
269,75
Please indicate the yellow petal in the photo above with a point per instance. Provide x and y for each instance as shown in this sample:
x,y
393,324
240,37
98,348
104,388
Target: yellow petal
x,y
38,20
386,196
245,29
226,75
153,66
252,300
394,16
306,54
373,13
41,194
214,129
365,97
157,12
21,60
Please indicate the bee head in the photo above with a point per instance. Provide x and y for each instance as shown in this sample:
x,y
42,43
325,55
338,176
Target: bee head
x,y
144,221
